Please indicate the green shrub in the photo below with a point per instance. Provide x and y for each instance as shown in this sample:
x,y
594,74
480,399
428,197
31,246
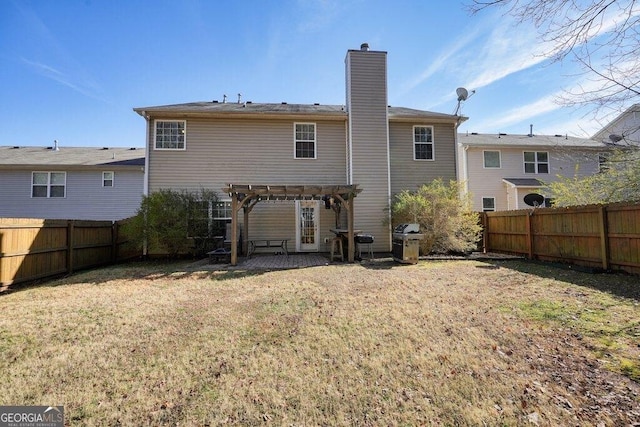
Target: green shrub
x,y
174,222
446,219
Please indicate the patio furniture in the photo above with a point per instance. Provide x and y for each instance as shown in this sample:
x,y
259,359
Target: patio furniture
x,y
336,244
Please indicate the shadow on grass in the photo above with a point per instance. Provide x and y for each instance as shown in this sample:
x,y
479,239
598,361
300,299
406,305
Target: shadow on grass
x,y
163,269
619,284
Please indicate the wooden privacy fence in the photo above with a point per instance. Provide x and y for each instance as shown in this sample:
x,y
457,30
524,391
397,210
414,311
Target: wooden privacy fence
x,y
599,236
33,249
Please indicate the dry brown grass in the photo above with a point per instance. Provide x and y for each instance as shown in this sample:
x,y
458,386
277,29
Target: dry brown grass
x,y
438,343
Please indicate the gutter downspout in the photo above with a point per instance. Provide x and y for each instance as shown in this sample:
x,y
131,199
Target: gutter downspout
x,y
145,186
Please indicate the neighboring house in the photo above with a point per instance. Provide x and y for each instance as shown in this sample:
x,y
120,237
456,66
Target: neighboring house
x,y
381,149
70,183
500,171
623,130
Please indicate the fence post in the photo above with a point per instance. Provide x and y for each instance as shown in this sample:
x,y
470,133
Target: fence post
x,y
529,226
70,247
484,221
604,236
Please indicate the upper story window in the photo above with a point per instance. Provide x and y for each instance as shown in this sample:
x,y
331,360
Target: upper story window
x,y
107,179
305,140
170,135
536,162
491,159
423,143
48,184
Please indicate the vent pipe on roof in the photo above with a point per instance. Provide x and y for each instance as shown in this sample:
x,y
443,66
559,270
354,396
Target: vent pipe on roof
x,y
224,99
364,47
55,145
530,131
239,98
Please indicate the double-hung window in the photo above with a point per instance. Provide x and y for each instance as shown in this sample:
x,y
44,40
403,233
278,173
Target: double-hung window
x,y
423,143
536,162
603,162
107,179
488,204
48,184
170,134
491,159
305,140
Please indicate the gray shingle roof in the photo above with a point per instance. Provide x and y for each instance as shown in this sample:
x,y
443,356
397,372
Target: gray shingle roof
x,y
282,108
495,139
70,156
243,108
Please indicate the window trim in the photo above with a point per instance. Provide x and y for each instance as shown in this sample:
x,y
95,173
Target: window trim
x,y
494,204
113,179
49,185
315,141
432,143
155,135
536,163
603,161
484,159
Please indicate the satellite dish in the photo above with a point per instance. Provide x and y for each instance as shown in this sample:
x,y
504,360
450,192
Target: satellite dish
x,y
462,93
534,199
615,138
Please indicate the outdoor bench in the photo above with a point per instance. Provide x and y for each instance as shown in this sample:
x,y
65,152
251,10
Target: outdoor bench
x,y
267,243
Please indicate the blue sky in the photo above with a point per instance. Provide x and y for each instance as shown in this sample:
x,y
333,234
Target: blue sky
x,y
73,70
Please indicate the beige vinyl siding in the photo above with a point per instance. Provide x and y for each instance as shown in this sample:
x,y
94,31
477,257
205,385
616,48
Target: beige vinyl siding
x,y
276,219
487,182
367,107
224,151
409,174
85,197
241,151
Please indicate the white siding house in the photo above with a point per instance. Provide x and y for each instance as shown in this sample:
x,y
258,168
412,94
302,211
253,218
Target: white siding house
x,y
70,182
500,170
623,130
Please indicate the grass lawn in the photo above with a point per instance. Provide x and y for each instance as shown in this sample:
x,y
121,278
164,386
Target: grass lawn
x,y
437,343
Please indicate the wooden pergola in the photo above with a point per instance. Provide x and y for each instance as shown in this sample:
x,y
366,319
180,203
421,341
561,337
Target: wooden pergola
x,y
246,196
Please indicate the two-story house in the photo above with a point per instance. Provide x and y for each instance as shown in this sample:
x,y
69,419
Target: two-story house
x,y
507,172
87,183
623,130
364,144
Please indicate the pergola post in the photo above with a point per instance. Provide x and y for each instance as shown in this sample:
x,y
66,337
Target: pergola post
x,y
234,229
350,236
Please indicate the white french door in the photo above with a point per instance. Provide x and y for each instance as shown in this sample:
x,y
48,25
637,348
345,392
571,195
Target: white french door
x,y
307,225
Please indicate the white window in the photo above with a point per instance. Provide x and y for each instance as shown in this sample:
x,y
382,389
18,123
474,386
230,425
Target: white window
x,y
603,162
222,211
107,179
536,162
48,184
423,143
170,134
208,217
488,204
491,159
305,140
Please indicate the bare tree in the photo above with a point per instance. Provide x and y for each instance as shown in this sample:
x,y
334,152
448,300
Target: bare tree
x,y
602,36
